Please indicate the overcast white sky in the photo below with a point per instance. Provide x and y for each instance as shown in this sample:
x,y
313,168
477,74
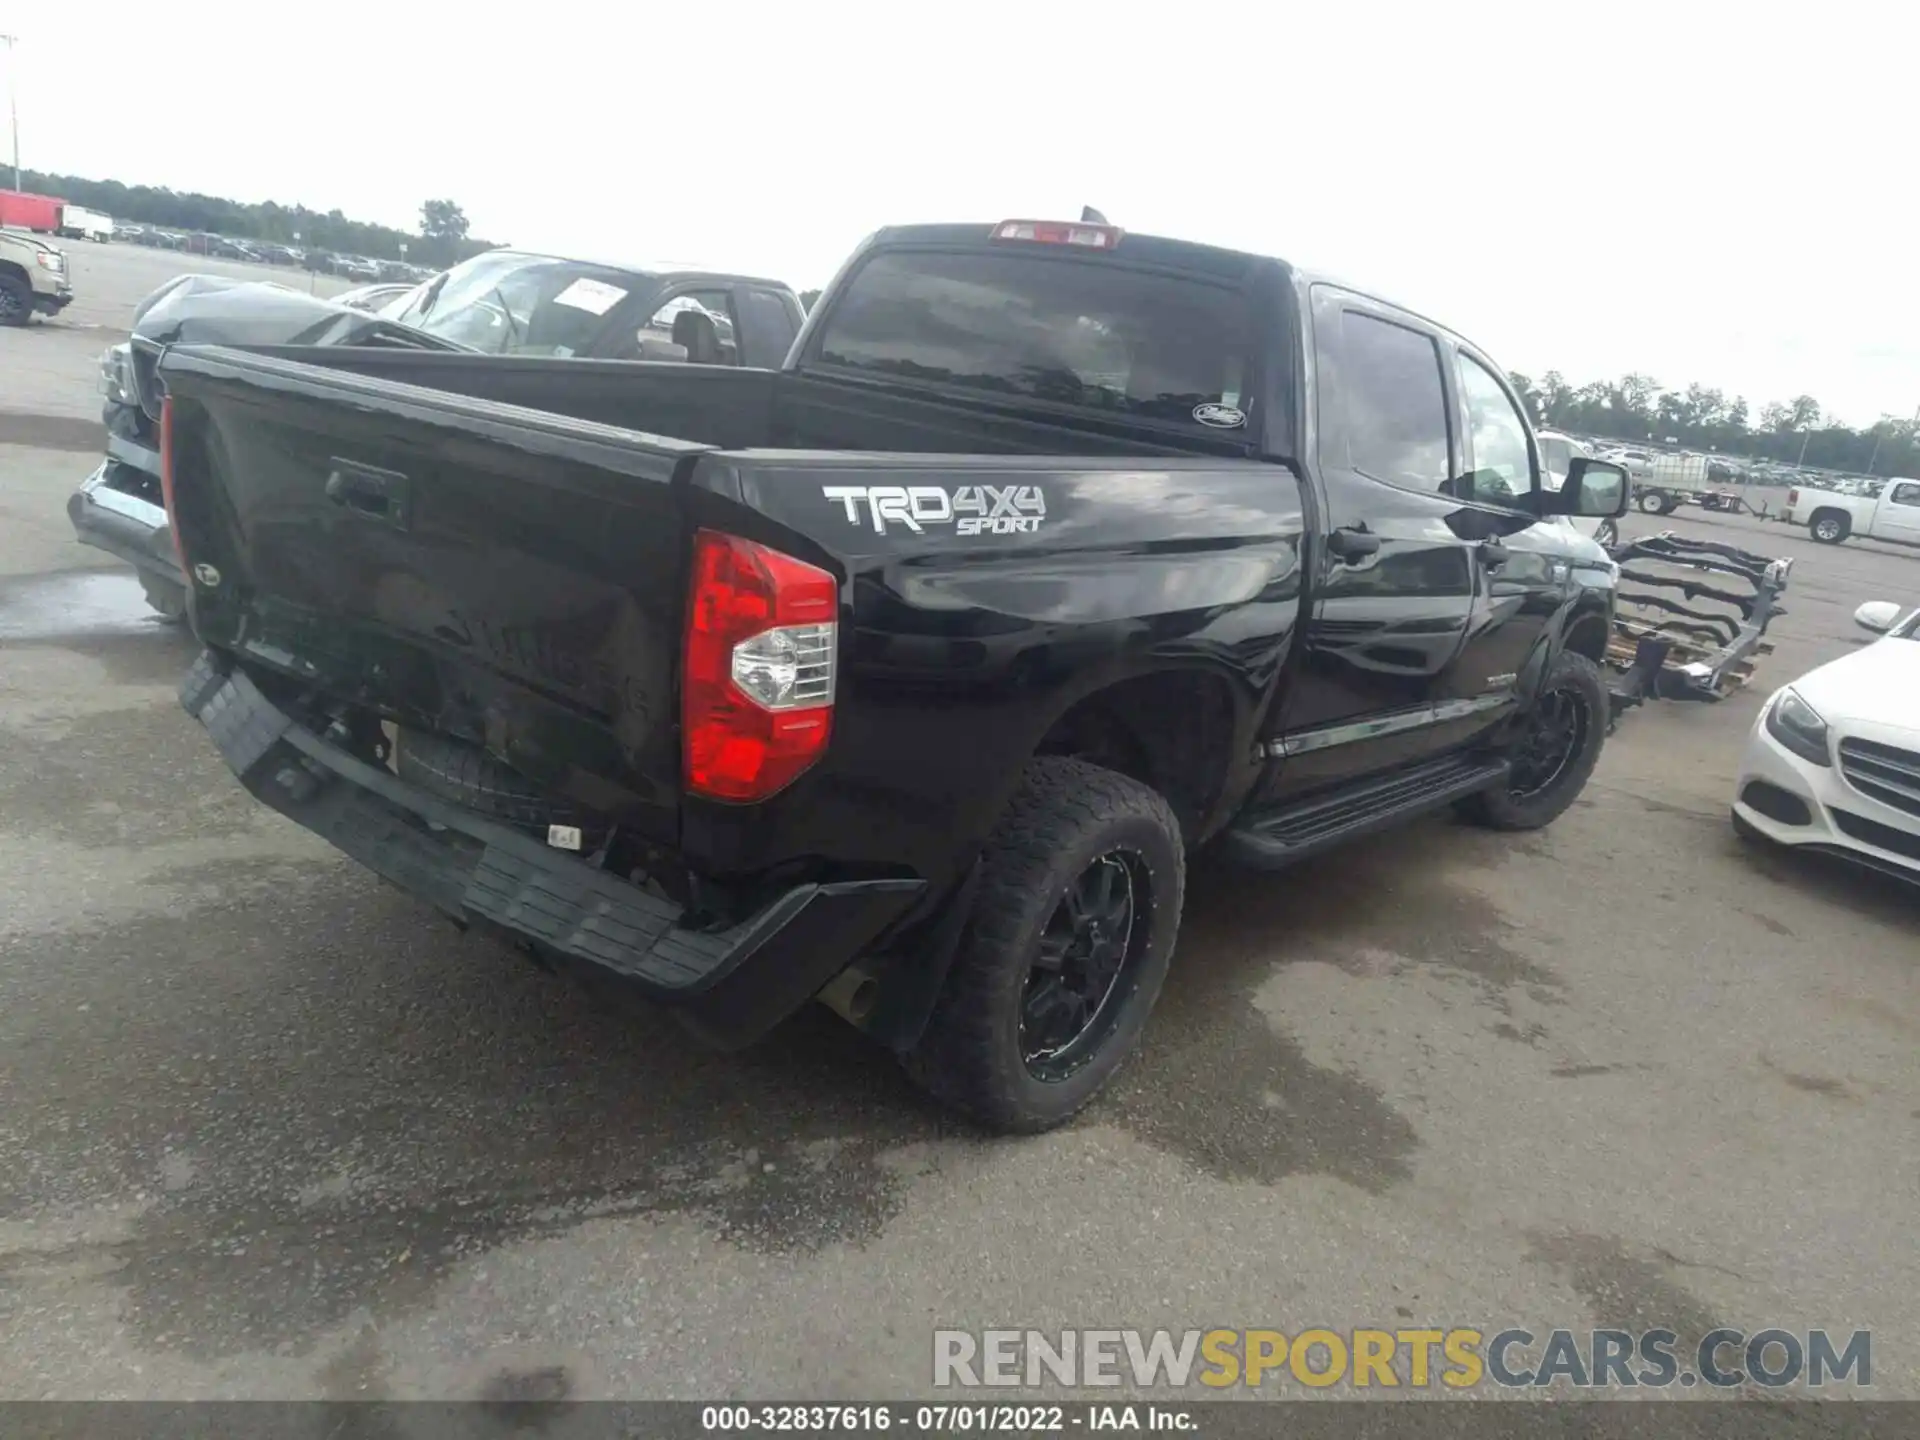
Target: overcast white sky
x,y
1701,192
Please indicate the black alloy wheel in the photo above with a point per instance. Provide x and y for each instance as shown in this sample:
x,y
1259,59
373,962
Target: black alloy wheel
x,y
1555,732
1066,944
1086,955
1552,750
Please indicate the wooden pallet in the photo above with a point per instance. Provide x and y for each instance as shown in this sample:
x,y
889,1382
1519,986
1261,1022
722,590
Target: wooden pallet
x,y
1627,635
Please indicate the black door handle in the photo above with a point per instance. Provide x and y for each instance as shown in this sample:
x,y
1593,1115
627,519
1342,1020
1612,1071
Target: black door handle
x,y
1352,542
1493,554
375,494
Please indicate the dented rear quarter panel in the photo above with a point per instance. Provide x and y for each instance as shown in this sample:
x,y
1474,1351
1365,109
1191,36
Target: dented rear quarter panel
x,y
964,643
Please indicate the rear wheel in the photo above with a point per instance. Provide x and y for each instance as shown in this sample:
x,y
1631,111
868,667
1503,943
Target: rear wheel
x,y
1830,527
1554,753
1063,957
1654,503
16,301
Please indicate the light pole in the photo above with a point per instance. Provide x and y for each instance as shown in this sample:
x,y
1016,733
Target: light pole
x,y
13,101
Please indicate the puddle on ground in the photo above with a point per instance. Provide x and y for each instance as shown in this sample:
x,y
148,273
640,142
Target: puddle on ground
x,y
77,603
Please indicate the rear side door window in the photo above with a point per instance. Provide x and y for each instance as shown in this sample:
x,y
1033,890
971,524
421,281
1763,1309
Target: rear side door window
x,y
1391,402
767,328
1907,494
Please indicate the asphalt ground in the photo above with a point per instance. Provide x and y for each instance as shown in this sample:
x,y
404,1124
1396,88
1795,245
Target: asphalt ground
x,y
269,1128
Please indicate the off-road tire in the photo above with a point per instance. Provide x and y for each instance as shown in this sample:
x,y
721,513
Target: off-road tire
x,y
469,777
167,598
16,301
1830,527
1067,814
1499,808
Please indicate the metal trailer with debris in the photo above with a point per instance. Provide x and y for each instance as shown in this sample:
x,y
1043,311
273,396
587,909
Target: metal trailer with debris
x,y
1690,618
1669,482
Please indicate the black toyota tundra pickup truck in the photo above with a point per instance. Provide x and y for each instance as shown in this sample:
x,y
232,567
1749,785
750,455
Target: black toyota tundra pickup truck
x,y
906,676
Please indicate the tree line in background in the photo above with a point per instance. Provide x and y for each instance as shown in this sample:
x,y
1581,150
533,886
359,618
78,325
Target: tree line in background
x,y
1636,408
441,240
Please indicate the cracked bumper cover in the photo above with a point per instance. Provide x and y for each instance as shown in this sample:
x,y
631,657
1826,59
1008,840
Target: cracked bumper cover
x,y
729,985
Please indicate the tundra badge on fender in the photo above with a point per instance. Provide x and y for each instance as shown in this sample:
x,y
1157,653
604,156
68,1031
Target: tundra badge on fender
x,y
970,509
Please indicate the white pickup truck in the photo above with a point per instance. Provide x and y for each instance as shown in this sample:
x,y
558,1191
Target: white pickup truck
x,y
1893,514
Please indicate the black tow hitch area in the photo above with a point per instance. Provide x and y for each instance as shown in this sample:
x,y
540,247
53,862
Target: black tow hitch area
x,y
1690,618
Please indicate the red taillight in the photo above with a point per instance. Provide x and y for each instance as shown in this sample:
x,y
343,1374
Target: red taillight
x,y
1793,496
166,476
756,694
1059,232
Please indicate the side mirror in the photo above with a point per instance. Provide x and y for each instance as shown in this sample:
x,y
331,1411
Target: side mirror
x,y
1593,490
1878,616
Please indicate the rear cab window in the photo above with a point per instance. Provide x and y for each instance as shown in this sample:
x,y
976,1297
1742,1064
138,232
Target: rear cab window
x,y
1083,332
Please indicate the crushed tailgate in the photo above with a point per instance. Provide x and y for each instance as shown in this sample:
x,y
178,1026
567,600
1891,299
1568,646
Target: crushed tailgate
x,y
494,574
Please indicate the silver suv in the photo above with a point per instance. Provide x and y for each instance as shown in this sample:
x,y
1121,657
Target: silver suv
x,y
33,278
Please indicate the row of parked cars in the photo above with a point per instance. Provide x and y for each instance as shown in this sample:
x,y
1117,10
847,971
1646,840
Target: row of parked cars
x,y
268,252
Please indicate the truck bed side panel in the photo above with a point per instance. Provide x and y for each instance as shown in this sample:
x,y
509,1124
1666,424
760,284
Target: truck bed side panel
x,y
494,574
722,405
964,649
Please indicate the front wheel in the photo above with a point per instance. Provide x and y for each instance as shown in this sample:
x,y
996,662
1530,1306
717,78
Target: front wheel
x,y
1608,535
1071,933
16,301
1555,751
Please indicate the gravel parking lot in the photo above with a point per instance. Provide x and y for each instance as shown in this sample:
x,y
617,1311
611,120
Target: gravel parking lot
x,y
269,1128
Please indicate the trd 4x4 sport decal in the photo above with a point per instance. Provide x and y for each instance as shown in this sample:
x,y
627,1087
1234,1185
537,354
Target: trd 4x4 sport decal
x,y
970,509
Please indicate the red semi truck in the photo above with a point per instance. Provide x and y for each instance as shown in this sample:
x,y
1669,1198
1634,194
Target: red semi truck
x,y
20,211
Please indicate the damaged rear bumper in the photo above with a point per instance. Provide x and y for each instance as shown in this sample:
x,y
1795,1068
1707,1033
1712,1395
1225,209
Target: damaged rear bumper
x,y
729,985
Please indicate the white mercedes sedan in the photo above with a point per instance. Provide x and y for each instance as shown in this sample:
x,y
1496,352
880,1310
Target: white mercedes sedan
x,y
1833,762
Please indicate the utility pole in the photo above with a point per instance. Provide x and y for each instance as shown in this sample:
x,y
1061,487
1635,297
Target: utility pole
x,y
13,100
